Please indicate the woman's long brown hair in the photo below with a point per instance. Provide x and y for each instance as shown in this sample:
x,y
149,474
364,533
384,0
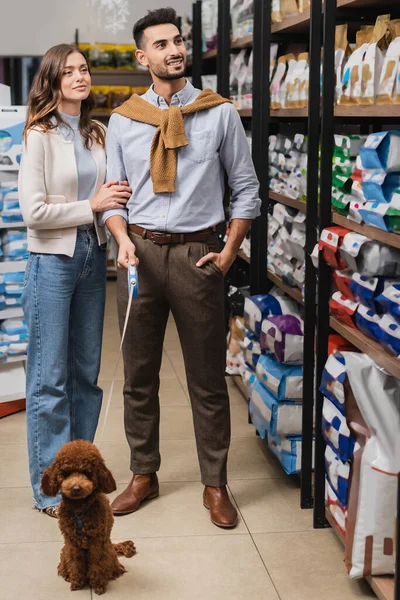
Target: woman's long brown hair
x,y
45,97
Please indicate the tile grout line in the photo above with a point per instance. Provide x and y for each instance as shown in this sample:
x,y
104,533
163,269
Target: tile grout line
x,y
256,547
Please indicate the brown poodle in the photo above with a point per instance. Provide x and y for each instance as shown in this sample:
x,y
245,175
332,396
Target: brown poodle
x,y
85,517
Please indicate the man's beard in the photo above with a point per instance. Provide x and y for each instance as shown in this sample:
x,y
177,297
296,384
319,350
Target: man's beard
x,y
163,73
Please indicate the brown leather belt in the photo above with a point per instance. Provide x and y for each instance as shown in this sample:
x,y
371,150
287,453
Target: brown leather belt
x,y
159,237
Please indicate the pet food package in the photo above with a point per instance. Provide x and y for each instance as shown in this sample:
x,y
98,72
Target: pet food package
x,y
283,381
351,81
337,343
330,241
283,336
125,56
251,349
209,18
370,547
378,186
338,474
12,123
336,431
103,56
242,14
388,82
382,151
288,451
343,309
341,51
390,335
342,281
366,289
368,257
338,512
3,349
373,61
281,9
332,380
389,301
278,418
257,308
277,81
13,327
368,322
385,216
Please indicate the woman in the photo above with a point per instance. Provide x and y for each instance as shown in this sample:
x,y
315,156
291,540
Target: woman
x,y
61,187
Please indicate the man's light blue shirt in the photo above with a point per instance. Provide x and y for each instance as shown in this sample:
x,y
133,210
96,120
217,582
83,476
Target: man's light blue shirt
x,y
216,142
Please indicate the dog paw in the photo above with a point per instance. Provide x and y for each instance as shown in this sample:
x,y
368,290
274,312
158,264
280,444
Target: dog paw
x,y
126,549
99,589
77,585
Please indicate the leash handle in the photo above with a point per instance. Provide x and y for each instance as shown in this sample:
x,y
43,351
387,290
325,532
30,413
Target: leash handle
x,y
133,292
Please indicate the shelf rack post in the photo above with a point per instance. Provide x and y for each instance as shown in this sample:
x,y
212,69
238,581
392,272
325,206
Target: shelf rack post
x,y
324,277
224,47
306,494
197,46
260,143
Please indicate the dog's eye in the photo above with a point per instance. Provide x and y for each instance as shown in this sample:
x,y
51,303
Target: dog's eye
x,y
64,474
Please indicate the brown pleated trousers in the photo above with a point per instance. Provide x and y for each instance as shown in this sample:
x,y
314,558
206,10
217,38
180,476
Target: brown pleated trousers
x,y
170,281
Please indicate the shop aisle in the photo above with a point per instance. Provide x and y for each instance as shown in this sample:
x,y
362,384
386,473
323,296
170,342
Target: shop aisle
x,y
274,552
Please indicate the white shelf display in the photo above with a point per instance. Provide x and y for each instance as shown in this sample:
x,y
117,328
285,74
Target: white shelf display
x,y
13,257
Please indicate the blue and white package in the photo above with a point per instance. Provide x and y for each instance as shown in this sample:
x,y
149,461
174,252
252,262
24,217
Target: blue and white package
x,y
284,418
389,301
12,122
332,380
288,451
337,473
390,334
336,432
16,250
251,349
381,151
13,326
380,191
2,302
257,308
2,284
365,289
368,322
3,348
283,381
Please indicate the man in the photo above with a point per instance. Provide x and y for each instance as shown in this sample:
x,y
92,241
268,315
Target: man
x,y
173,145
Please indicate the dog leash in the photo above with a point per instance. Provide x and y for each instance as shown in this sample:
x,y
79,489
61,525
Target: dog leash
x,y
133,292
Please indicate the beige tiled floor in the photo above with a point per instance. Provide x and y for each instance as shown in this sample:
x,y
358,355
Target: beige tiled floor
x,y
274,552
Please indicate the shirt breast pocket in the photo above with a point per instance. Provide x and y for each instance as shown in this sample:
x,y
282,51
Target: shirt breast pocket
x,y
200,147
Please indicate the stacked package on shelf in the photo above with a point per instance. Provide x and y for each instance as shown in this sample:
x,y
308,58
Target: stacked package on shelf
x,y
236,334
209,22
14,244
289,79
242,14
371,193
288,165
356,426
13,338
273,355
283,9
346,174
241,79
367,74
286,242
367,281
10,212
338,438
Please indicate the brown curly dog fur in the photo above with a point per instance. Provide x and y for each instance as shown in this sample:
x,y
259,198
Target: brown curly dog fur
x,y
85,517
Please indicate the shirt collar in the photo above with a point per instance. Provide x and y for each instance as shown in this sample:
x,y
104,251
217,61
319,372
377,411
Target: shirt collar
x,y
179,99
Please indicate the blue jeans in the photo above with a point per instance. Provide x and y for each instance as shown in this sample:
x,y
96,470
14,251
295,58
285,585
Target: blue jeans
x,y
63,302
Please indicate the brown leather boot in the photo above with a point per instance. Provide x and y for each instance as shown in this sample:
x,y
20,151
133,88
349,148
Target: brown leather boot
x,y
222,511
141,488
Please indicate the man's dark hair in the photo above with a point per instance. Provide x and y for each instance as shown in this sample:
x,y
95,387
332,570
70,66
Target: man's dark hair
x,y
161,16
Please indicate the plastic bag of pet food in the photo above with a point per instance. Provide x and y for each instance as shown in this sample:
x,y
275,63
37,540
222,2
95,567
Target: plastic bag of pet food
x,y
257,308
103,56
3,348
281,9
389,301
342,50
283,336
382,151
354,211
336,431
277,418
389,74
385,216
368,257
251,349
286,82
370,547
101,96
337,473
390,335
338,512
351,80
366,289
118,95
373,61
329,244
13,326
288,451
379,187
332,380
276,82
283,381
342,281
368,322
343,309
337,343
